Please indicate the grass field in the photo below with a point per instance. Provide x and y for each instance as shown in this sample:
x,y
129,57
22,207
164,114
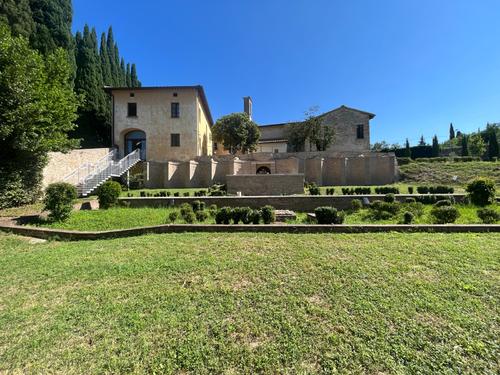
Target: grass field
x,y
122,218
443,173
252,303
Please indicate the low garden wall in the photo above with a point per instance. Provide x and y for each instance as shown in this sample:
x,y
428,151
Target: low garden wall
x,y
69,235
302,203
265,184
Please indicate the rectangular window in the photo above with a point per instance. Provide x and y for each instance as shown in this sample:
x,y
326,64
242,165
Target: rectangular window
x,y
174,110
360,131
175,140
132,110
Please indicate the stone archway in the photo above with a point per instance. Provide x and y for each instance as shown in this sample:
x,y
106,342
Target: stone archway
x,y
135,139
263,170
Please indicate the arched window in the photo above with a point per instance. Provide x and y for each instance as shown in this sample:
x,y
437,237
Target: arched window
x,y
263,170
134,140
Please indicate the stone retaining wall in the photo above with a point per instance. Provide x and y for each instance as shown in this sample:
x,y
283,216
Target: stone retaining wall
x,y
303,203
69,235
265,184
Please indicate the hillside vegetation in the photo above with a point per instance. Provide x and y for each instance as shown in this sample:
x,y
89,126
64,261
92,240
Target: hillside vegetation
x,y
444,173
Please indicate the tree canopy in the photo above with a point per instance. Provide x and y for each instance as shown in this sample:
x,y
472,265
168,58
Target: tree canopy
x,y
312,131
37,110
237,132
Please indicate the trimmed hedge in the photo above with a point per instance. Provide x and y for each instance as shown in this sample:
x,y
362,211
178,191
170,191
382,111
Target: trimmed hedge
x,y
59,199
445,214
108,194
488,215
481,191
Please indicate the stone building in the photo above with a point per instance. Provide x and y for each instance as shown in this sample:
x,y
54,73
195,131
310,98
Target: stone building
x,y
171,128
351,132
166,123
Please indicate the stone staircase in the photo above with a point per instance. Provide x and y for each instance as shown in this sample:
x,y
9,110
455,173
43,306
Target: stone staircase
x,y
88,177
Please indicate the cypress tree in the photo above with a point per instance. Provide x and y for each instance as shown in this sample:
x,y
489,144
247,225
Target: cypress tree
x,y
134,81
105,66
123,73
407,152
435,146
493,151
17,14
465,146
422,141
52,20
452,131
128,76
110,45
116,63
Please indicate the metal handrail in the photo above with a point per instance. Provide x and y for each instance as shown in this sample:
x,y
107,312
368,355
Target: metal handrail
x,y
86,169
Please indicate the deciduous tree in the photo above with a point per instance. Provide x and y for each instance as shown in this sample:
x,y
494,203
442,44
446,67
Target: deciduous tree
x,y
237,132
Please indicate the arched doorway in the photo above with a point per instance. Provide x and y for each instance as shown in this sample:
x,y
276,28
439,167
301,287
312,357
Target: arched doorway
x,y
263,170
134,140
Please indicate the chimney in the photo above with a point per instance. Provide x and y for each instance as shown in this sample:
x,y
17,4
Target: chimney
x,y
247,106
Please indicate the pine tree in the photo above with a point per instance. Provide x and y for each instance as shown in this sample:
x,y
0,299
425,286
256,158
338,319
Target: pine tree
x,y
493,151
465,146
452,131
435,146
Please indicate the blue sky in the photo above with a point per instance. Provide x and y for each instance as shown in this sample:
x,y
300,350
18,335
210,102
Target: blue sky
x,y
417,64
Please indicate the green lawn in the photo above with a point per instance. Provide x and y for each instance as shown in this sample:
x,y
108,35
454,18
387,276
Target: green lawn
x,y
443,173
252,303
122,218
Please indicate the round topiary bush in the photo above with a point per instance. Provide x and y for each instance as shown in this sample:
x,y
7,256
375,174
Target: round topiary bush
x,y
445,214
390,198
488,215
408,217
223,215
172,216
59,199
201,216
108,194
268,214
443,202
256,216
481,191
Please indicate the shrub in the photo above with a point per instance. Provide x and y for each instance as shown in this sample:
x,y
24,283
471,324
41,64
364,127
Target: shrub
x,y
314,189
488,215
408,217
481,191
201,216
198,206
386,190
330,191
108,194
173,216
442,203
186,194
268,214
445,214
410,189
256,215
416,208
245,214
168,194
328,215
389,198
185,209
422,190
217,190
189,217
223,215
410,200
59,199
356,205
362,190
212,207
380,210
142,193
176,194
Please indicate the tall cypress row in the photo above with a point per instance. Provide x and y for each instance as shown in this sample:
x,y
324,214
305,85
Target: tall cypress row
x,y
134,81
128,77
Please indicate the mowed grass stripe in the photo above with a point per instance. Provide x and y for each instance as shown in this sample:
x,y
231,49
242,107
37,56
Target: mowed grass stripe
x,y
232,303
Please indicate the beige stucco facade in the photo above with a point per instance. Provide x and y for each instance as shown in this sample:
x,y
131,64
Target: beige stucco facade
x,y
154,117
